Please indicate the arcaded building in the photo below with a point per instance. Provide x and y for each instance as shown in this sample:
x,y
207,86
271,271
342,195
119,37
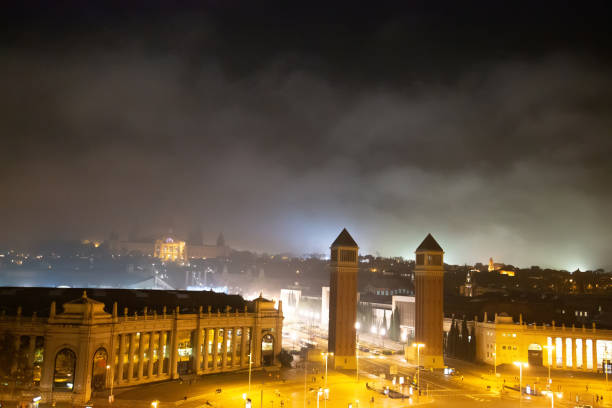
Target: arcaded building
x,y
79,342
502,340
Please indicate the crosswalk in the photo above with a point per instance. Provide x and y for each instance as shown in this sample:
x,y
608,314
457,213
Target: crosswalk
x,y
478,398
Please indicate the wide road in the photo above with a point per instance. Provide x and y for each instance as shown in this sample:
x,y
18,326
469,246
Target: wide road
x,y
470,387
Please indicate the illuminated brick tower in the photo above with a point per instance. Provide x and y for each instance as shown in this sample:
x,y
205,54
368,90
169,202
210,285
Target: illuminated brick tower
x,y
343,301
429,271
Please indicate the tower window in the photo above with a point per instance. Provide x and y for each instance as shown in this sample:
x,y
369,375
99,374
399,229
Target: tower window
x,y
420,259
334,255
434,259
348,256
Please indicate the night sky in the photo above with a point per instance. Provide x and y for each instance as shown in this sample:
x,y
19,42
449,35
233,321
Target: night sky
x,y
489,127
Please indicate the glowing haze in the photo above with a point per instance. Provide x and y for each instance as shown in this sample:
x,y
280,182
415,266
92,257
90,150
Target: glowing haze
x,y
280,129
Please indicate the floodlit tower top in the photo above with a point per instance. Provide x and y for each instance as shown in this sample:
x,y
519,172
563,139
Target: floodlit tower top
x,y
429,244
344,240
344,250
429,253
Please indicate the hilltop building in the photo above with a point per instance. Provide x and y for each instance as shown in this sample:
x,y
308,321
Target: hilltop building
x,y
170,248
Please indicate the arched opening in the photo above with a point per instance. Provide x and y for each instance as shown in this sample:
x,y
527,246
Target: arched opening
x,y
63,375
98,371
267,350
534,355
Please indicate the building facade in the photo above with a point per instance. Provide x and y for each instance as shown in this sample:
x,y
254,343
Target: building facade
x,y
83,348
343,301
504,341
170,248
429,313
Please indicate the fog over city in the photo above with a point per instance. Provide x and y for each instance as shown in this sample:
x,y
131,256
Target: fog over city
x,y
280,142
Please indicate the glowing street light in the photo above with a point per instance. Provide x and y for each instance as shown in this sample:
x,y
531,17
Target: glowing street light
x,y
418,346
550,348
520,365
250,365
154,404
111,397
326,356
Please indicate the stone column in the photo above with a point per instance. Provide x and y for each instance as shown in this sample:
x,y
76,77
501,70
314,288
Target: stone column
x,y
131,357
140,355
224,350
243,350
554,353
234,339
594,351
162,344
206,340
584,355
256,345
574,363
17,346
198,349
174,353
151,347
119,373
215,348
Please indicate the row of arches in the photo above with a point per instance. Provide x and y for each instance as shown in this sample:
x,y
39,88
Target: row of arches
x,y
65,366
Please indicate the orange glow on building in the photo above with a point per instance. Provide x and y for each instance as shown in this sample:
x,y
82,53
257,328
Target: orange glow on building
x,y
169,249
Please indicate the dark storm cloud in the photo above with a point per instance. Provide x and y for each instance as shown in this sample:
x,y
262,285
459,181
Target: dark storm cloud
x,y
505,157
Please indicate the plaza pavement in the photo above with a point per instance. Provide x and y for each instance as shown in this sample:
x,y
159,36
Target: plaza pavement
x,y
282,388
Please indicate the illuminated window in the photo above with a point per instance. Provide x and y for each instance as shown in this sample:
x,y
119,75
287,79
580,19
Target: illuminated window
x,y
558,349
550,352
589,347
579,361
568,352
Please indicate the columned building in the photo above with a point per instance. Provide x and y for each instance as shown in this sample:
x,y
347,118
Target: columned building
x,y
504,341
87,345
429,313
343,301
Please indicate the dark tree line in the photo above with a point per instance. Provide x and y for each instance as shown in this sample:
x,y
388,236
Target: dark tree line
x,y
365,317
460,342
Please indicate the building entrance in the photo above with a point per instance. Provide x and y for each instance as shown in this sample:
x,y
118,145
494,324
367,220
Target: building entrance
x,y
267,350
534,355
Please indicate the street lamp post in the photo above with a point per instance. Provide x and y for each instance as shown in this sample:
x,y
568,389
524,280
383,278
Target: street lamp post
x,y
495,359
551,395
418,346
549,348
111,397
326,355
250,364
520,365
